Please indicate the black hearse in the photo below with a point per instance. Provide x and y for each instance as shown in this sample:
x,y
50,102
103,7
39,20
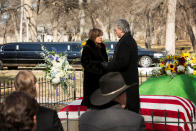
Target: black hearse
x,y
15,54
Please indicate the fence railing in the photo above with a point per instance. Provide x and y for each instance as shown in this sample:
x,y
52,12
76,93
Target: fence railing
x,y
49,95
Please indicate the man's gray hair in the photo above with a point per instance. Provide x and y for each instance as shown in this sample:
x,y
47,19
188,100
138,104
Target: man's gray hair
x,y
123,25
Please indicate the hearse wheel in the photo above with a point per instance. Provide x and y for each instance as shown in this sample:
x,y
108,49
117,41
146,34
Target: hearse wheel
x,y
12,67
1,65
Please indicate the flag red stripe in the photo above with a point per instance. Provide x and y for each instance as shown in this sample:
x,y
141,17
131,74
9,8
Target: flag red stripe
x,y
163,113
74,108
166,101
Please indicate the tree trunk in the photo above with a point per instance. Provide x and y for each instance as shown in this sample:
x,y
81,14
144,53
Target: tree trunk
x,y
148,31
82,20
188,12
4,34
54,31
15,26
92,21
190,28
170,27
21,20
103,27
30,16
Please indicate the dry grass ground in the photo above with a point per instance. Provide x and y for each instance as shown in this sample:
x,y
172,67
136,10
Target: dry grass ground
x,y
10,74
179,45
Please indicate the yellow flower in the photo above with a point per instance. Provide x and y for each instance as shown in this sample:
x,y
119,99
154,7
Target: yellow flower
x,y
175,57
176,62
171,67
185,55
162,65
83,43
194,72
192,60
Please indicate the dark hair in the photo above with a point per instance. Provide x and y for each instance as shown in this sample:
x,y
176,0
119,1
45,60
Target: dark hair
x,y
17,112
26,81
94,33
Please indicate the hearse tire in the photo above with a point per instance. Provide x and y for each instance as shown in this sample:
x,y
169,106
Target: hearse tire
x,y
1,65
12,67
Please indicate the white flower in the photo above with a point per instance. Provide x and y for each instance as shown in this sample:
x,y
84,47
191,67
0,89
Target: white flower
x,y
180,68
156,72
59,74
57,68
56,80
168,72
189,70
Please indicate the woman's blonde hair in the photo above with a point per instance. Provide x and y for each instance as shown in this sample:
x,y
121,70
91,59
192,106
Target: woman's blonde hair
x,y
94,33
25,81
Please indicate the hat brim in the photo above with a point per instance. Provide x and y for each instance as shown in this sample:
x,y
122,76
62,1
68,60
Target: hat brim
x,y
97,98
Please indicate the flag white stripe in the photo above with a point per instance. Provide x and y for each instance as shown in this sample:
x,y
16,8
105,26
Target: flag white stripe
x,y
165,107
71,115
162,119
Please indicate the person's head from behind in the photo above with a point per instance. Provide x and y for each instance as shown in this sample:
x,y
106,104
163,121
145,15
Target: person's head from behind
x,y
112,88
18,112
26,81
95,35
121,26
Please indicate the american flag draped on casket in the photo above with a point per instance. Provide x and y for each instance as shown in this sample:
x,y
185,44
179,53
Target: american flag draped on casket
x,y
170,113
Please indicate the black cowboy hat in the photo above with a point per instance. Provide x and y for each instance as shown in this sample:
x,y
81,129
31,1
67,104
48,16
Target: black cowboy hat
x,y
111,85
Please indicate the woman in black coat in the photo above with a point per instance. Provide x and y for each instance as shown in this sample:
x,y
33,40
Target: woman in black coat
x,y
94,52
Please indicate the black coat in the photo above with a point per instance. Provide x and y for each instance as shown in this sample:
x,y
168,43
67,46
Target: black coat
x,y
125,61
47,120
91,59
113,118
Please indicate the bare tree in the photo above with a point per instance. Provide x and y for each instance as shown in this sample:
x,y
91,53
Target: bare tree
x,y
30,17
170,27
188,11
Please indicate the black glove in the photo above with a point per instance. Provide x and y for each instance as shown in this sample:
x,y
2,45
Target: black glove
x,y
104,65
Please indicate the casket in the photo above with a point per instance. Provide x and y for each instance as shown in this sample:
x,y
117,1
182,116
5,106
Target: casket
x,y
181,85
165,109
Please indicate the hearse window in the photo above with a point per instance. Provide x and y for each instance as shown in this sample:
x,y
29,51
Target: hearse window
x,y
30,47
59,47
75,47
10,47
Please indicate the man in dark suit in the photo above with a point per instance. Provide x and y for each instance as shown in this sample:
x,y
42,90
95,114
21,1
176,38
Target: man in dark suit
x,y
47,119
111,99
125,61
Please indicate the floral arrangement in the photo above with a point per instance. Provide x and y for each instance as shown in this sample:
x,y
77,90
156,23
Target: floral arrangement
x,y
84,43
58,70
173,65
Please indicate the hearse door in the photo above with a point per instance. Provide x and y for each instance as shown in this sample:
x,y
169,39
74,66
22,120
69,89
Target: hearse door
x,y
28,54
8,54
